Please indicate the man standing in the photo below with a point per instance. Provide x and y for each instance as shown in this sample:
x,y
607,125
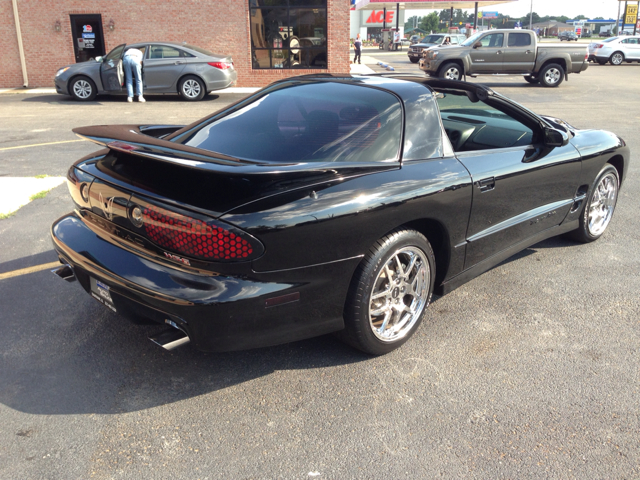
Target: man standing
x,y
357,45
132,62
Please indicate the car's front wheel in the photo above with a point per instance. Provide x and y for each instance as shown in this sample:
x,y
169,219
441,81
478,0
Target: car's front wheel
x,y
389,292
552,75
192,88
414,60
599,206
83,89
617,58
451,71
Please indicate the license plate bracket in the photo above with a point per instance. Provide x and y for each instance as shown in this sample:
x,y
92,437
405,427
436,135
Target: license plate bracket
x,y
102,293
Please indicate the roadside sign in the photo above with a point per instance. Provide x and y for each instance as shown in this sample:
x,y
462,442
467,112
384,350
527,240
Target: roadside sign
x,y
490,14
631,16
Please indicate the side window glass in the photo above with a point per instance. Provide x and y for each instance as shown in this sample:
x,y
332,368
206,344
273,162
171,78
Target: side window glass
x,y
163,51
454,40
477,125
494,40
115,53
519,39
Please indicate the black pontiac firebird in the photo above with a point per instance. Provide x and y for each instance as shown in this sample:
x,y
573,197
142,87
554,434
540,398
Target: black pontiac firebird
x,y
325,203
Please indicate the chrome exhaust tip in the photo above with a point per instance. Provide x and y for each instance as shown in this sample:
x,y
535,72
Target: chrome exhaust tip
x,y
170,339
65,272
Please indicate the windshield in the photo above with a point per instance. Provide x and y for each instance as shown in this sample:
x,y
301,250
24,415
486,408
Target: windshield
x,y
472,39
323,122
432,39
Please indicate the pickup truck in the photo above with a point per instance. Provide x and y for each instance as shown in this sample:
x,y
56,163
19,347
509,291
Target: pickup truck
x,y
511,52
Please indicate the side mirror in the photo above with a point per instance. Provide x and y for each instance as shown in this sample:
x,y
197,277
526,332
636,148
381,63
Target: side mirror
x,y
98,59
477,45
555,138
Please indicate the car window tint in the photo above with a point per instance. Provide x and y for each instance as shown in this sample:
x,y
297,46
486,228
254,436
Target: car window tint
x,y
115,53
163,51
324,122
519,39
454,40
492,40
476,125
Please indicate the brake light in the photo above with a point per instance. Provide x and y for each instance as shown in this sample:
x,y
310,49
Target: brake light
x,y
221,65
196,238
600,46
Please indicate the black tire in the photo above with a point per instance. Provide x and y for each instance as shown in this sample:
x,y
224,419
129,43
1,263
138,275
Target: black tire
x,y
607,183
450,71
532,80
83,89
414,60
395,322
191,88
551,75
601,62
616,58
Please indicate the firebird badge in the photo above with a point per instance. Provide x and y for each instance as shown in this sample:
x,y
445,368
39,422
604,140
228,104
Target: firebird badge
x,y
171,256
107,207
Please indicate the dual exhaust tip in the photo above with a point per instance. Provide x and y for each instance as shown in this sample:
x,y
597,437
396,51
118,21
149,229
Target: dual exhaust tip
x,y
169,339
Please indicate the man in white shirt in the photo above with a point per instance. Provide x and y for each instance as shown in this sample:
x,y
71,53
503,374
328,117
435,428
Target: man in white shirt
x,y
132,63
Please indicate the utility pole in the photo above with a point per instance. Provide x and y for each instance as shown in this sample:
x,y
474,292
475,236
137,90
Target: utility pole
x,y
618,20
531,17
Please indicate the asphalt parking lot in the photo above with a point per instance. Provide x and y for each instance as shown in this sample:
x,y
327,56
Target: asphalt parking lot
x,y
531,370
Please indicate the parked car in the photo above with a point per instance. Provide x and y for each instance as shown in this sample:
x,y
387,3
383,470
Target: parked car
x,y
413,39
325,204
167,67
615,50
510,52
568,36
416,51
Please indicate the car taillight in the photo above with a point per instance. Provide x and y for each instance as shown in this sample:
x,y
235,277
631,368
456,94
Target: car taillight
x,y
600,46
193,237
221,65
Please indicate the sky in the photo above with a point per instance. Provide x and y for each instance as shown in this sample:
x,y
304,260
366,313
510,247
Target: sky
x,y
570,8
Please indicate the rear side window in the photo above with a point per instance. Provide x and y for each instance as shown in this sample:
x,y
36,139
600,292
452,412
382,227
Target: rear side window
x,y
519,39
317,122
163,51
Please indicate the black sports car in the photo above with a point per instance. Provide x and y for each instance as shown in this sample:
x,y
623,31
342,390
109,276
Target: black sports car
x,y
325,203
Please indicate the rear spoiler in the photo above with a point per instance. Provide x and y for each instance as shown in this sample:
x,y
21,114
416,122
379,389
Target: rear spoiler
x,y
147,141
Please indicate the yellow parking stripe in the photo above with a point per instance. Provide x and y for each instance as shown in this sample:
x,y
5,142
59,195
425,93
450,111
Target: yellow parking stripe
x,y
40,144
24,271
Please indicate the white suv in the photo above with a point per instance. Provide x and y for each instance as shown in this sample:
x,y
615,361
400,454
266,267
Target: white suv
x,y
615,50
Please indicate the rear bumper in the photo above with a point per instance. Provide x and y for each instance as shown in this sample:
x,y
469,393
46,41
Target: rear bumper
x,y
229,80
218,312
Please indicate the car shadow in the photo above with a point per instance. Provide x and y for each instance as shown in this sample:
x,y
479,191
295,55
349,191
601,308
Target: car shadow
x,y
63,353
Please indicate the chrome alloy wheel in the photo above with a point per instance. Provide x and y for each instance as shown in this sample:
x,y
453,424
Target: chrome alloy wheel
x,y
82,89
552,76
617,58
191,88
452,73
399,294
603,202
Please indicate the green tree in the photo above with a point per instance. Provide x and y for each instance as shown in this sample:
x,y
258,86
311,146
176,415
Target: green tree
x,y
430,23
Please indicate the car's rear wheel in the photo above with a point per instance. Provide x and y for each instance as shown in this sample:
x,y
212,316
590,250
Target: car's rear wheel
x,y
599,206
83,89
601,62
451,71
531,79
414,60
192,88
552,75
390,290
617,58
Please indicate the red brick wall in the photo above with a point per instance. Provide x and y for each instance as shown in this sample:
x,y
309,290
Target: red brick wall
x,y
216,25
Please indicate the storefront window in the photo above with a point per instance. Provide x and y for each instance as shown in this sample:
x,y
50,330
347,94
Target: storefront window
x,y
288,33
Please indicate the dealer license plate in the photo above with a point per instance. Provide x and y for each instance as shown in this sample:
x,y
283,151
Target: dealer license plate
x,y
100,292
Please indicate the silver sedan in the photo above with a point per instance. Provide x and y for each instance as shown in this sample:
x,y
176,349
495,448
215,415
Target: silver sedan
x,y
167,67
615,50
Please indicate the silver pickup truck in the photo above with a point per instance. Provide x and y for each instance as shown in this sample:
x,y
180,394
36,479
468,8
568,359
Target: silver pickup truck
x,y
511,52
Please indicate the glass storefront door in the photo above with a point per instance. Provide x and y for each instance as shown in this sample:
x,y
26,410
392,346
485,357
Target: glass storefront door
x,y
88,41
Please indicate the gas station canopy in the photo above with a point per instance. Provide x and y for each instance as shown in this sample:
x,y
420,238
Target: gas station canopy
x,y
430,4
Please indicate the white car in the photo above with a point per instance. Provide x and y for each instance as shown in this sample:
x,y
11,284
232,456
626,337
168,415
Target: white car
x,y
615,50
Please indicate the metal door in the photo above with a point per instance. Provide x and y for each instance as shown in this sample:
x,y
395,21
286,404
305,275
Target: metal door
x,y
163,66
111,71
489,56
88,41
520,53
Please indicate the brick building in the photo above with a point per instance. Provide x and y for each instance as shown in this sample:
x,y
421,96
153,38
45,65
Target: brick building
x,y
258,34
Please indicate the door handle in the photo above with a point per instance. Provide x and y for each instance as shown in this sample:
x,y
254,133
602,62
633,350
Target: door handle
x,y
179,62
527,52
499,52
487,184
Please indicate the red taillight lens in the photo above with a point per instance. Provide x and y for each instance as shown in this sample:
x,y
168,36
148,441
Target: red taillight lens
x,y
221,65
600,46
194,237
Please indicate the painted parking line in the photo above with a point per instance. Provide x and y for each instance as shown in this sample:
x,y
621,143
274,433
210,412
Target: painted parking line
x,y
40,144
25,271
